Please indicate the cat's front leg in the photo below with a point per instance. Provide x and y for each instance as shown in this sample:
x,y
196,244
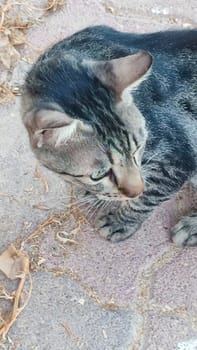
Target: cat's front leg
x,y
184,233
127,219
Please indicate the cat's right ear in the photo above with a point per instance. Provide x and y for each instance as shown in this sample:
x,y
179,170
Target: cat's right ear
x,y
51,127
123,73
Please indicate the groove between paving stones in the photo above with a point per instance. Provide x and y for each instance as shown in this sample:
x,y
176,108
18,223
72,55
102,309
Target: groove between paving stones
x,y
108,305
143,304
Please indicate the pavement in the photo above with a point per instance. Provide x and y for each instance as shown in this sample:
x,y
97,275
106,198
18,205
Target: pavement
x,y
89,294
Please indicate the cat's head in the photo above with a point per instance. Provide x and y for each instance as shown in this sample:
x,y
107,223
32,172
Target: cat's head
x,y
103,150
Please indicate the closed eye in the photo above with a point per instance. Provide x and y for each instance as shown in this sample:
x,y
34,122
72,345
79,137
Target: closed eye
x,y
97,178
73,175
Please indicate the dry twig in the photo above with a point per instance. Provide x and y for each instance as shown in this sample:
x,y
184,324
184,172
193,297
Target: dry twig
x,y
70,333
42,178
15,265
52,219
53,5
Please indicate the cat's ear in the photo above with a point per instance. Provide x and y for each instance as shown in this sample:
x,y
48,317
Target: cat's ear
x,y
51,127
123,73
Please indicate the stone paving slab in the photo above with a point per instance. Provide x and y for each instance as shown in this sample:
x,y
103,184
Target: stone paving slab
x,y
162,332
136,295
61,316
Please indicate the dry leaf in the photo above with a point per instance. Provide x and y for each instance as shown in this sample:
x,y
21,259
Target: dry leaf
x,y
15,19
12,262
17,37
6,94
8,54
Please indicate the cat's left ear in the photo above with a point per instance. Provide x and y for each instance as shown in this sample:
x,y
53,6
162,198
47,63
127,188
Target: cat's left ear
x,y
123,73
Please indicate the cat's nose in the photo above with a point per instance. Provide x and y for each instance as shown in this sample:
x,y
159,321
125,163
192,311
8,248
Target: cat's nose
x,y
132,184
132,191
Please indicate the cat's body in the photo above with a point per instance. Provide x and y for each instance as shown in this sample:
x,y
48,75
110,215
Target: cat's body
x,y
130,112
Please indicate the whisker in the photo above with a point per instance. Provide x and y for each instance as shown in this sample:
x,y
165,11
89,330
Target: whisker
x,y
149,159
97,207
80,201
106,204
89,211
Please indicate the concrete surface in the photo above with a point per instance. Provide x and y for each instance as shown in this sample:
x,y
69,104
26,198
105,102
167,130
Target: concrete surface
x,y
136,295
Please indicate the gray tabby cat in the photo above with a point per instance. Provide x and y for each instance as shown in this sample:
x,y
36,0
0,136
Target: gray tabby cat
x,y
117,113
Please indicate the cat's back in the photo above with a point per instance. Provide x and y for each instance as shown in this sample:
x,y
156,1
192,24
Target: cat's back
x,y
174,70
100,40
174,52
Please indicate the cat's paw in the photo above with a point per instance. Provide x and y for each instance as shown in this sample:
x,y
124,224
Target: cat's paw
x,y
110,229
184,233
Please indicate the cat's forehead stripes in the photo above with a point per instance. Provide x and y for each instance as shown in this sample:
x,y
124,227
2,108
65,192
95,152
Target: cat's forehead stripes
x,y
134,139
110,157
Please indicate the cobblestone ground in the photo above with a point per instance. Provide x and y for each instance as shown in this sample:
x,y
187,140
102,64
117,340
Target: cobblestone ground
x,y
140,294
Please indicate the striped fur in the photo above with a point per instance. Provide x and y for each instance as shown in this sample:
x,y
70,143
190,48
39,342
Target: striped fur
x,y
152,129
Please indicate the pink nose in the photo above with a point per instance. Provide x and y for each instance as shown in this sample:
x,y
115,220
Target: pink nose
x,y
131,183
133,191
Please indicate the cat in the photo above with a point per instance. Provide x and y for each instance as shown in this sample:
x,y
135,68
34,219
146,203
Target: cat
x,y
116,113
